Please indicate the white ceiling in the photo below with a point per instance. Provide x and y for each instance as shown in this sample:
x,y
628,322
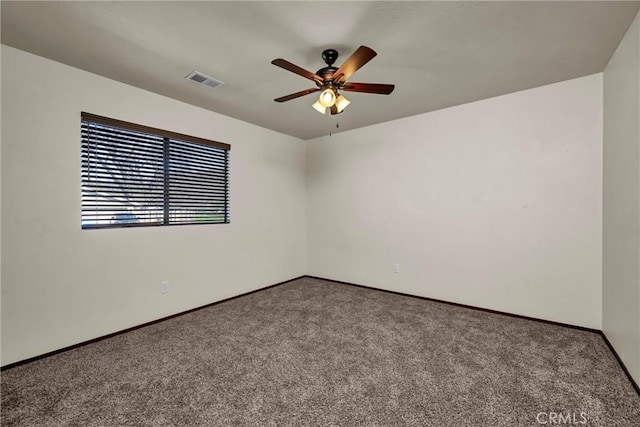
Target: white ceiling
x,y
438,54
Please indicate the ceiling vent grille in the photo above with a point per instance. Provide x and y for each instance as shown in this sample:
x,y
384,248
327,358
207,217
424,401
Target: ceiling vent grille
x,y
203,79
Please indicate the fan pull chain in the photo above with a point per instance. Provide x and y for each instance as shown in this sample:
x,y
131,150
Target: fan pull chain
x,y
337,127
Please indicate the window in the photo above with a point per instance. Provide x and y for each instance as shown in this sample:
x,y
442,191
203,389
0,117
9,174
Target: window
x,y
134,176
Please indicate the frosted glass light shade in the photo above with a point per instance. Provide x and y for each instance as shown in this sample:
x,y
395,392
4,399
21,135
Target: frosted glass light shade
x,y
319,108
327,98
341,103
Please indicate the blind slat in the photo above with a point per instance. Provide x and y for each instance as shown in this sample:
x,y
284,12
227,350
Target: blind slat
x,y
134,177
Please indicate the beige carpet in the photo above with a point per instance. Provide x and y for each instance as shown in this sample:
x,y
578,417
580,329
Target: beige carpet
x,y
318,353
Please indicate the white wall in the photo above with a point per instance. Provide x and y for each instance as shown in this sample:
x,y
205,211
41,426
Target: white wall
x,y
495,203
62,285
621,239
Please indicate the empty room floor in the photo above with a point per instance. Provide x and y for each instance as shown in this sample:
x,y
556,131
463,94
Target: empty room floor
x,y
315,352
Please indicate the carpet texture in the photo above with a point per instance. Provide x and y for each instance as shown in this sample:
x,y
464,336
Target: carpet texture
x,y
318,353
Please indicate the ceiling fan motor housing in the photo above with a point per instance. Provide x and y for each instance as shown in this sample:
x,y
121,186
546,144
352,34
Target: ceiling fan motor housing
x,y
329,56
326,73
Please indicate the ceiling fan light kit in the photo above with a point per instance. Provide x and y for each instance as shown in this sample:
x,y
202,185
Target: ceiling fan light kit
x,y
330,98
330,79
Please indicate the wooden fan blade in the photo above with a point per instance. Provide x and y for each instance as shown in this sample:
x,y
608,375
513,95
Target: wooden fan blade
x,y
297,94
283,63
361,56
381,89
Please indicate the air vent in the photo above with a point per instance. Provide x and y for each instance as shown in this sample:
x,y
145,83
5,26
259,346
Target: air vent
x,y
203,79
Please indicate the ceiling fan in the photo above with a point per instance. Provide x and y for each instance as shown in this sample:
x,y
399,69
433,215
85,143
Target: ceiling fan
x,y
329,80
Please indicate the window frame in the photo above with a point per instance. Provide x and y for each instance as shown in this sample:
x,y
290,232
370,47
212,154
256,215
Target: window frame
x,y
167,137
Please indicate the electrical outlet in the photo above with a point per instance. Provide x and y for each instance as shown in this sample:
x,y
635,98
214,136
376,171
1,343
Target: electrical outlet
x,y
396,267
164,287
